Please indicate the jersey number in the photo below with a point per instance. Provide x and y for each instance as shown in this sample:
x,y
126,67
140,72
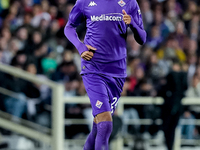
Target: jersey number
x,y
114,104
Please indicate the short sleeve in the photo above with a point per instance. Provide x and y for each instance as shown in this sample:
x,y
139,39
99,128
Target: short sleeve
x,y
76,15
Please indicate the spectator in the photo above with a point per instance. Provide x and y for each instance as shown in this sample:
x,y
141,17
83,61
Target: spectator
x,y
155,38
22,36
49,64
157,69
16,104
171,51
11,50
188,131
27,23
6,34
176,86
191,61
159,21
39,15
188,14
36,40
146,13
180,34
36,111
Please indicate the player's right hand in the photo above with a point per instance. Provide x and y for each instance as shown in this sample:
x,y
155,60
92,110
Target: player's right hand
x,y
87,55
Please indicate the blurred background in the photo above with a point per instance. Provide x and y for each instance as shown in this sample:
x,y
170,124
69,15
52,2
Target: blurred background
x,y
167,66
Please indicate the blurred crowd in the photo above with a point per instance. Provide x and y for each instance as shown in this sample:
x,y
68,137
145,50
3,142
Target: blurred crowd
x,y
168,65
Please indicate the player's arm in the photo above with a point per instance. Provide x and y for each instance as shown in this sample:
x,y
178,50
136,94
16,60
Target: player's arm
x,y
76,17
134,20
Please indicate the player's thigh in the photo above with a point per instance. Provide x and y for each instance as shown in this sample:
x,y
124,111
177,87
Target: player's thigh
x,y
97,91
104,116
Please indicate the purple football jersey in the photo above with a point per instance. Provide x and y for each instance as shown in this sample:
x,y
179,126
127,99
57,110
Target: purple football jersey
x,y
106,31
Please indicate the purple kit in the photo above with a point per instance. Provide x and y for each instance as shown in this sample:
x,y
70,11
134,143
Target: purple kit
x,y
104,91
104,74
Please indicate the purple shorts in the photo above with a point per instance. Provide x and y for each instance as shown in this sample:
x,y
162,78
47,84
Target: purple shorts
x,y
104,91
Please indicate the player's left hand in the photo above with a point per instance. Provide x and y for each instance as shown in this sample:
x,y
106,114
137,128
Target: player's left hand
x,y
87,55
126,17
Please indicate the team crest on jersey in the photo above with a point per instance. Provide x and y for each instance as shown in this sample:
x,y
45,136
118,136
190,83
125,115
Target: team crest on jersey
x,y
99,104
121,3
92,3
